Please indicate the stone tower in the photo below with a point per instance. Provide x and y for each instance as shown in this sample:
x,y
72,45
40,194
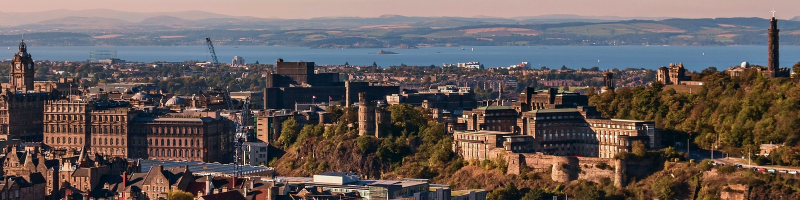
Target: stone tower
x,y
366,116
662,75
608,81
773,58
22,69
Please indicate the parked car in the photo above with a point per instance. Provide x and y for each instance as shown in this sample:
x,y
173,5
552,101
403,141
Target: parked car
x,y
738,165
783,171
762,169
771,171
792,172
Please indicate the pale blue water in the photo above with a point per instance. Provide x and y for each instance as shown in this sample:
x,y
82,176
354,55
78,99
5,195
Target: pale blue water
x,y
605,57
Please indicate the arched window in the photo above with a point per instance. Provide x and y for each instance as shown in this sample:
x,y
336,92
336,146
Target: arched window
x,y
173,142
162,141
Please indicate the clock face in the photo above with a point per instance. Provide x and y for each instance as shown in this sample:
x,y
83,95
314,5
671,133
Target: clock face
x,y
30,66
18,65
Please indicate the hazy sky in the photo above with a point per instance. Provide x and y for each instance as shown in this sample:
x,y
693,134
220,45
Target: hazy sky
x,y
463,8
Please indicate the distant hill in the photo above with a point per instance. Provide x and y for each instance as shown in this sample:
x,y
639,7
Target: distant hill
x,y
164,21
106,27
71,23
796,18
16,19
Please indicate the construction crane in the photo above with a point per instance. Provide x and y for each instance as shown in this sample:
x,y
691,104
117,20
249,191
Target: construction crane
x,y
211,49
241,132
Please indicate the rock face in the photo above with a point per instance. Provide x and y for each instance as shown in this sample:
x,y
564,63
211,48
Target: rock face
x,y
311,158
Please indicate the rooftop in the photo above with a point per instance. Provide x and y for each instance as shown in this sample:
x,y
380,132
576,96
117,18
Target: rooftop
x,y
557,110
484,132
201,167
495,108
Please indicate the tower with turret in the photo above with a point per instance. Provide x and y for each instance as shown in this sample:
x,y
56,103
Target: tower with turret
x,y
22,69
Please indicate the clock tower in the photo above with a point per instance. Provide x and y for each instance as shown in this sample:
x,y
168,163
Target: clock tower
x,y
22,69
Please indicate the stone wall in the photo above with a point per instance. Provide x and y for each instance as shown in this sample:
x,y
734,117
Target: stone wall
x,y
564,169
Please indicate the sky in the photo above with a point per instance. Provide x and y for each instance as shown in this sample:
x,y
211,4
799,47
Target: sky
x,y
301,9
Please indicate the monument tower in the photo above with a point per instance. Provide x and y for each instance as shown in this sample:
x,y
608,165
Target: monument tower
x,y
774,62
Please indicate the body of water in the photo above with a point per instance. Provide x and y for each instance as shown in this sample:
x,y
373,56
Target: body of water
x,y
605,57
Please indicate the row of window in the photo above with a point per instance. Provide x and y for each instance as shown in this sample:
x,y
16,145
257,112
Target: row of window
x,y
121,141
79,129
80,117
167,130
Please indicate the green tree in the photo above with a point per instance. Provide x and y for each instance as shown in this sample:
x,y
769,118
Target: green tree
x,y
510,191
179,195
639,150
727,169
534,194
288,132
305,133
663,188
588,193
796,69
705,165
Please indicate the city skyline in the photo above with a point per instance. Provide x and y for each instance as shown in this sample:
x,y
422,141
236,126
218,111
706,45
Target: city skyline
x,y
440,8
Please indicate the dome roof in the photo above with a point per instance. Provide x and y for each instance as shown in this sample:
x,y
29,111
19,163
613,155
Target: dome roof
x,y
175,100
745,64
141,96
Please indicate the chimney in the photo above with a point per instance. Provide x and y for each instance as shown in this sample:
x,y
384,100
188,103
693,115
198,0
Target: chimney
x,y
209,190
124,182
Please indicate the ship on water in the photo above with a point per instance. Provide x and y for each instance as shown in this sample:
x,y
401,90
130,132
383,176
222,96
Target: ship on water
x,y
385,52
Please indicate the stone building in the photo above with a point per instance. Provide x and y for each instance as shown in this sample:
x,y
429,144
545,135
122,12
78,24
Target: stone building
x,y
581,132
21,115
269,123
373,118
530,99
156,182
179,137
490,118
482,145
77,124
297,83
672,75
34,175
449,97
20,105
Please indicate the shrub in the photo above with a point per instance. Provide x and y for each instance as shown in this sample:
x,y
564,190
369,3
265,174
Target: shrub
x,y
601,165
663,188
727,169
705,165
